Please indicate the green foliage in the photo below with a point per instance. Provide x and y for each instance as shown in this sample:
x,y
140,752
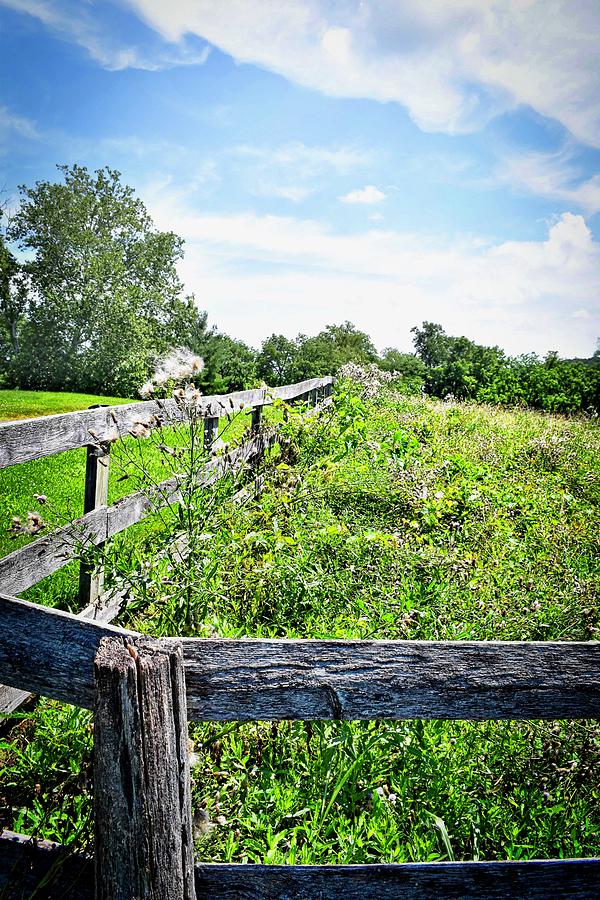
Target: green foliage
x,y
385,518
230,365
458,367
331,348
382,516
277,360
103,291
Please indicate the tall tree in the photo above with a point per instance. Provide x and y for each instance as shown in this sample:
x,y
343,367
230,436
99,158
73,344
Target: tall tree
x,y
277,360
105,294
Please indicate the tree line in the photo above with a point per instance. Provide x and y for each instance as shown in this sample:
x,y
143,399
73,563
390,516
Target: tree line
x,y
90,297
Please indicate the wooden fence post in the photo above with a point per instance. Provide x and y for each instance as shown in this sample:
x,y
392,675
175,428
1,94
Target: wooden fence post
x,y
143,817
91,578
211,432
256,419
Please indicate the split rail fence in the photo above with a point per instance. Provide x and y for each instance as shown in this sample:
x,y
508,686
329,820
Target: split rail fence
x,y
143,693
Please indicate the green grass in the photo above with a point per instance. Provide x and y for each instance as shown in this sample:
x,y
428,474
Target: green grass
x,y
469,522
30,404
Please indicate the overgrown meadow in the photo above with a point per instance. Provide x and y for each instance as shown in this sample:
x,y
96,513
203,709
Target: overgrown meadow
x,y
381,516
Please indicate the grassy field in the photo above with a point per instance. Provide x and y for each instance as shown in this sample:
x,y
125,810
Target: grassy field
x,y
393,518
29,404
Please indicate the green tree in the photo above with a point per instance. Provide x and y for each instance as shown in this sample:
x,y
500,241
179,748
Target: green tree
x,y
431,344
14,296
277,360
105,294
324,353
230,365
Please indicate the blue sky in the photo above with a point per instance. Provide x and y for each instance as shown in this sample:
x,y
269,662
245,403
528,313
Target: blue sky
x,y
381,162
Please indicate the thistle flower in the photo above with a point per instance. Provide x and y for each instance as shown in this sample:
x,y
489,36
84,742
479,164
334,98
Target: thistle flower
x,y
177,364
41,498
34,523
146,390
139,430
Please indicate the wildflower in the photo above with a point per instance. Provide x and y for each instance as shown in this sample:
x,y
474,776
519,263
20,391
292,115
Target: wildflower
x,y
34,523
177,364
110,437
192,756
139,430
192,395
146,390
201,825
41,498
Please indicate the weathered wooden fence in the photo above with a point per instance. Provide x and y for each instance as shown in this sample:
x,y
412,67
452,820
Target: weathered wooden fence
x,y
144,691
96,429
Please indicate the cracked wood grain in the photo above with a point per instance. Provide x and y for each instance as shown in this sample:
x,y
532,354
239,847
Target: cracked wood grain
x,y
51,653
142,802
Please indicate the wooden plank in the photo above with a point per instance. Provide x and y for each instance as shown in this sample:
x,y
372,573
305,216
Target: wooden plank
x,y
533,880
91,579
142,804
23,865
30,564
211,433
50,652
29,439
43,869
63,655
256,419
104,609
314,679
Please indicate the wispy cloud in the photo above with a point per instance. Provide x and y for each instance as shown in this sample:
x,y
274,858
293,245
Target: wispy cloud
x,y
77,22
452,65
367,195
555,176
21,125
306,159
293,171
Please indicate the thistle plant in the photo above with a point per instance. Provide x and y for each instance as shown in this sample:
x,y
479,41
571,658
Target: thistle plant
x,y
187,503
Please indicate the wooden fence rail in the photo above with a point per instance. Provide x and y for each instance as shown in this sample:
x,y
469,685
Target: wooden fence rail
x,y
143,691
25,864
28,565
96,428
49,652
34,438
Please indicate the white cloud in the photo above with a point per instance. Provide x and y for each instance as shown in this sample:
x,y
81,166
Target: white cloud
x,y
554,176
295,193
307,160
453,65
368,194
9,121
295,170
75,21
259,274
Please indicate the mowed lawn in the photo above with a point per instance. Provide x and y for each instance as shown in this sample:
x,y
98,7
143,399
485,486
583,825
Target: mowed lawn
x,y
30,404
